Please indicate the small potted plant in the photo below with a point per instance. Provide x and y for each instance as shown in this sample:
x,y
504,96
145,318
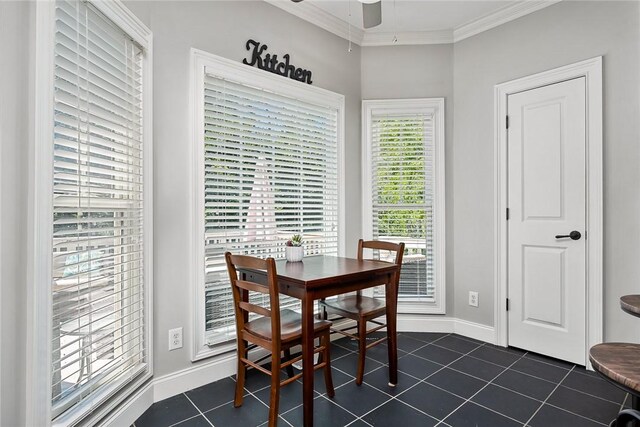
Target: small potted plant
x,y
294,250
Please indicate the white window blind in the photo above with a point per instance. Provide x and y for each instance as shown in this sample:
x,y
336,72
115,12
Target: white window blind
x,y
402,153
270,171
97,279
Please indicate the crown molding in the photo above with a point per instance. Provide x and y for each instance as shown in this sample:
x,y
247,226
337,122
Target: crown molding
x,y
499,17
312,13
407,38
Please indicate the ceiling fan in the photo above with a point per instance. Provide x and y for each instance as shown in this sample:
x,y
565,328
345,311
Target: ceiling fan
x,y
371,12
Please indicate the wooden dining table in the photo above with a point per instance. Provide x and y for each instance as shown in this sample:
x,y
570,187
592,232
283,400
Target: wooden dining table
x,y
319,277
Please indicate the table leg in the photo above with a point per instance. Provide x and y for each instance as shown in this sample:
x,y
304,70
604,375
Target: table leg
x,y
392,312
307,359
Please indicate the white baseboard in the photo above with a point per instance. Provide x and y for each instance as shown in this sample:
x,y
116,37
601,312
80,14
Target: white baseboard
x,y
131,409
476,331
194,377
421,323
223,366
418,323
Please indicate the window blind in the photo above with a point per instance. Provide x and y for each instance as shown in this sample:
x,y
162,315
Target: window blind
x,y
270,171
97,279
403,197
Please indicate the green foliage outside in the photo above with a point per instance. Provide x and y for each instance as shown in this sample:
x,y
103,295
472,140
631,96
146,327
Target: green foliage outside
x,y
400,179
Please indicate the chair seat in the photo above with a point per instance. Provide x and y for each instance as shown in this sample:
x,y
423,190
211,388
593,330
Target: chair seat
x,y
290,326
355,307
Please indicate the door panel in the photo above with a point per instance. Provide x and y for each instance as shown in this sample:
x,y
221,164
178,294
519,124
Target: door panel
x,y
542,160
544,285
547,169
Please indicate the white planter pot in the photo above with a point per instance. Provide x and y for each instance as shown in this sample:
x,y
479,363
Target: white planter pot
x,y
294,253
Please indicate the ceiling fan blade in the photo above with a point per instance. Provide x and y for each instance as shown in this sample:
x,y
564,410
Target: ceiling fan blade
x,y
372,14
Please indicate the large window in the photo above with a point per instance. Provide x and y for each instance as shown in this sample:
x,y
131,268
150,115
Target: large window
x,y
403,185
95,202
268,155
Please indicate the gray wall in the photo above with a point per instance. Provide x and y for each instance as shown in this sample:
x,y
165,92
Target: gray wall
x,y
15,134
466,72
558,35
222,28
425,71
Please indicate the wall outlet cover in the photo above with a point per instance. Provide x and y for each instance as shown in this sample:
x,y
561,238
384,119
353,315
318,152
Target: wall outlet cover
x,y
473,298
175,338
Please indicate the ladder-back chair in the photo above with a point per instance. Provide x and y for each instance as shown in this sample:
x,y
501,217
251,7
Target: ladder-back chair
x,y
361,308
272,329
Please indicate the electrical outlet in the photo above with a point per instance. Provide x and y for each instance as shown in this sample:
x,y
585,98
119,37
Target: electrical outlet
x,y
175,338
473,299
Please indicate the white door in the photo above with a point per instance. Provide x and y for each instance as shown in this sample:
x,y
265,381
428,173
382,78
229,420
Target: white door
x,y
547,169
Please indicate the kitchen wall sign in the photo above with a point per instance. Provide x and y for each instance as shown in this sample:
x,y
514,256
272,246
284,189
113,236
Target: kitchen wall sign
x,y
271,63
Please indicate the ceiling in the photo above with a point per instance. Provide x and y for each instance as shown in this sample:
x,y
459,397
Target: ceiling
x,y
412,21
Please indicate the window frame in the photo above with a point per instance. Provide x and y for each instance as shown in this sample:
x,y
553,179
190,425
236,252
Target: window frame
x,y
39,307
430,106
243,74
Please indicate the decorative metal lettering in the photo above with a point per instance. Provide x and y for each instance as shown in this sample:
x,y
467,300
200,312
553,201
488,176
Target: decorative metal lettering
x,y
270,63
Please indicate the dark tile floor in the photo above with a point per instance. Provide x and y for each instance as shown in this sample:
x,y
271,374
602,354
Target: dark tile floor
x,y
444,380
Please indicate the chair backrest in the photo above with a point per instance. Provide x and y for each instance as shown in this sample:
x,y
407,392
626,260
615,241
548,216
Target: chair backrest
x,y
381,245
241,290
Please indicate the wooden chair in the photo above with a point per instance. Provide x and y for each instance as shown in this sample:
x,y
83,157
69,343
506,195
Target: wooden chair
x,y
274,330
363,309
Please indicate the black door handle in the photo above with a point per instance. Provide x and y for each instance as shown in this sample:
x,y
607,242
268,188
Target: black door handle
x,y
574,235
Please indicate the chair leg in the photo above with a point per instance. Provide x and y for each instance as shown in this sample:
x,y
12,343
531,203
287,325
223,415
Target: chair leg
x,y
287,357
274,401
326,357
362,349
241,373
323,311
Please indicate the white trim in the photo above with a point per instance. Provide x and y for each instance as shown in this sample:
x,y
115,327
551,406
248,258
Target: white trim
x,y
340,27
407,38
39,311
311,13
419,323
434,106
499,17
194,376
591,69
39,314
129,411
243,74
117,12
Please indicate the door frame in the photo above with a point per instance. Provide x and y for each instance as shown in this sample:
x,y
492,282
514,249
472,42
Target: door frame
x,y
591,69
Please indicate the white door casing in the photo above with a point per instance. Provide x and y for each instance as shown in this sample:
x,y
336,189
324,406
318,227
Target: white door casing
x,y
591,70
546,182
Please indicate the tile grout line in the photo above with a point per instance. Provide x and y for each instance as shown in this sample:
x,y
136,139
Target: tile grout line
x,y
626,396
481,344
201,413
577,415
547,398
437,344
592,395
249,393
421,381
391,397
482,388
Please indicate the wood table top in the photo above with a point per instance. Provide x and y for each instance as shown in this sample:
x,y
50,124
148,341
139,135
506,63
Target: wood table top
x,y
318,270
631,304
618,362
